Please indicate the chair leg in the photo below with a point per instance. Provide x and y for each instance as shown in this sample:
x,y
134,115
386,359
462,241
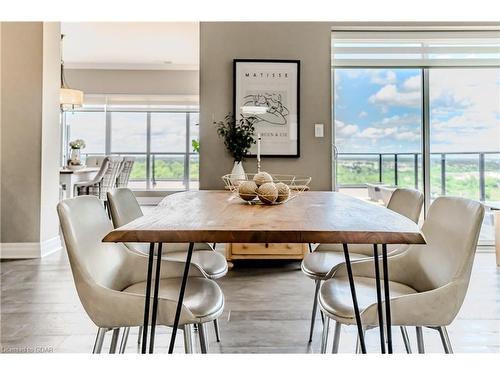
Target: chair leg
x,y
406,339
139,337
336,338
123,343
358,343
420,340
324,337
315,308
99,339
203,338
445,339
114,340
188,339
216,329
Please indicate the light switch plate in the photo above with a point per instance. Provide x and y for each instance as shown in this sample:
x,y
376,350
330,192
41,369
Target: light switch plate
x,y
319,130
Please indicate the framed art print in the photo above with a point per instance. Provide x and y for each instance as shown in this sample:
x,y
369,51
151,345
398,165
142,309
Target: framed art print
x,y
269,90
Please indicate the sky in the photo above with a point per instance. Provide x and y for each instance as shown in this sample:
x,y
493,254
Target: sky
x,y
380,110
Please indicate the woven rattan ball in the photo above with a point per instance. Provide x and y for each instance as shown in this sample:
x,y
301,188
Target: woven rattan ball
x,y
267,193
247,190
262,178
283,192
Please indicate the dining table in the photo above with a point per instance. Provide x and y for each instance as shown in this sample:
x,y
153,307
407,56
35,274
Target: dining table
x,y
311,217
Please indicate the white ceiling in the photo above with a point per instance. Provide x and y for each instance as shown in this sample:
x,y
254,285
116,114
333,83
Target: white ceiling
x,y
131,45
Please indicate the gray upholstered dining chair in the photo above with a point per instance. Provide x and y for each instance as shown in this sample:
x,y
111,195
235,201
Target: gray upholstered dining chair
x,y
124,208
428,283
110,279
125,170
321,263
104,180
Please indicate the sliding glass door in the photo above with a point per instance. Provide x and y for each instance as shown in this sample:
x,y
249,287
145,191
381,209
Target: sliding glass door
x,y
378,128
464,132
420,110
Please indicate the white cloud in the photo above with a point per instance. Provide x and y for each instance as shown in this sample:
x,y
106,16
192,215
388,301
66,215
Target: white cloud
x,y
389,95
377,133
381,79
465,110
409,136
362,114
400,120
413,83
343,130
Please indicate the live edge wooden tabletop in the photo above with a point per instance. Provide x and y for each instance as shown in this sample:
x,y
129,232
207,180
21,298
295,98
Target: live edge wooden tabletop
x,y
219,216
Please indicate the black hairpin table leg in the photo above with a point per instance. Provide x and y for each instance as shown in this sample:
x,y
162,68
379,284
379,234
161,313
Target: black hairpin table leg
x,y
155,299
354,300
379,300
147,298
181,298
387,299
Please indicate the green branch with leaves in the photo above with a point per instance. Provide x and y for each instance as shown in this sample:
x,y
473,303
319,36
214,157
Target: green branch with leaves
x,y
238,135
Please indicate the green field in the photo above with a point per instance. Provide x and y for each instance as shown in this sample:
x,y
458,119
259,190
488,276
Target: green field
x,y
165,168
462,174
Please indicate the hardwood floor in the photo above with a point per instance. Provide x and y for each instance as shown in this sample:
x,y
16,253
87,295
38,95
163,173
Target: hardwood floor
x,y
268,306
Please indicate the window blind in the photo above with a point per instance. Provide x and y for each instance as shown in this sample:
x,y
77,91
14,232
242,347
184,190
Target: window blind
x,y
415,48
141,103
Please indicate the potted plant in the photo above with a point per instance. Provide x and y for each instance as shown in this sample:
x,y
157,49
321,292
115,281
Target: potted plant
x,y
238,137
76,146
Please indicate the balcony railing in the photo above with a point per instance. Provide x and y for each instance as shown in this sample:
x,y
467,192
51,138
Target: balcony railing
x,y
162,170
470,174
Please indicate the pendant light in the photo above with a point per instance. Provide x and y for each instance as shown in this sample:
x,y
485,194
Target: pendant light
x,y
68,98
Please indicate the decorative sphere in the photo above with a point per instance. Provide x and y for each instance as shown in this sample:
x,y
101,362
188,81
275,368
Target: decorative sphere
x,y
268,193
247,190
283,192
262,178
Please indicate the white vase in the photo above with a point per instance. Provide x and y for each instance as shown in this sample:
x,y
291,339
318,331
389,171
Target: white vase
x,y
238,173
75,157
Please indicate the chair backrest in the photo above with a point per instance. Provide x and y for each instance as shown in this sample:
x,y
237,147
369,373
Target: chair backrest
x,y
123,206
108,181
407,202
451,231
125,170
94,161
84,223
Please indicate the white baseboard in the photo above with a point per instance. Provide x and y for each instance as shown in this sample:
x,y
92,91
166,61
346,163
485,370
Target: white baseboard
x,y
50,246
29,250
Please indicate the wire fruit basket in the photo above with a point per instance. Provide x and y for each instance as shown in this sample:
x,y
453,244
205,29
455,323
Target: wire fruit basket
x,y
264,188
